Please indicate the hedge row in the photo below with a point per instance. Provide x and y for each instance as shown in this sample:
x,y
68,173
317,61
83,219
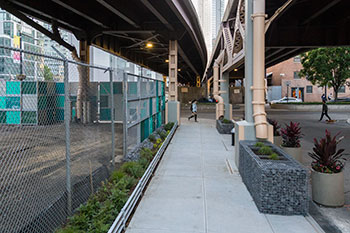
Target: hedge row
x,y
98,214
316,103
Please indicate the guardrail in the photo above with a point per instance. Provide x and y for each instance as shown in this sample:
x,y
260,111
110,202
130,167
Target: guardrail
x,y
120,222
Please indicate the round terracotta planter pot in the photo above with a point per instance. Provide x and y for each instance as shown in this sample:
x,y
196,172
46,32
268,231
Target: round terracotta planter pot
x,y
277,140
328,189
295,152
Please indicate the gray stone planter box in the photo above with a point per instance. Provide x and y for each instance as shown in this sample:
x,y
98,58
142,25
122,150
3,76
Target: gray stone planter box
x,y
277,186
224,128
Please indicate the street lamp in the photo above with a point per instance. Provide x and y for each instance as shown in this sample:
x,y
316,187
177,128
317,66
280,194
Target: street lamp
x,y
149,45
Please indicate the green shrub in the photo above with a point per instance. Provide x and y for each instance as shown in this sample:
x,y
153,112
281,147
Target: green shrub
x,y
259,144
274,156
157,144
133,169
126,183
152,138
146,153
116,176
101,209
226,121
162,135
169,126
144,162
265,150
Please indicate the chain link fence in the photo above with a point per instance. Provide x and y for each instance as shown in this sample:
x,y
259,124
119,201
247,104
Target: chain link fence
x,y
58,141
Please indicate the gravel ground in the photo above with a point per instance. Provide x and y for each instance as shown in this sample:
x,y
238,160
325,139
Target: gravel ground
x,y
33,166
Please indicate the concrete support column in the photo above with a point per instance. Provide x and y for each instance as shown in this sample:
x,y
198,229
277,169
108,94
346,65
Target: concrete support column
x,y
245,130
173,105
259,69
225,93
84,82
173,70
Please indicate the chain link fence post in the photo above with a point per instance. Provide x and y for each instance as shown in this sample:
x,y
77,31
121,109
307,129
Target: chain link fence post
x,y
112,116
67,135
125,115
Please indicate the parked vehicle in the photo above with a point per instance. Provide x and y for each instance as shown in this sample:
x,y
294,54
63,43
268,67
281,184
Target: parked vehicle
x,y
341,100
286,100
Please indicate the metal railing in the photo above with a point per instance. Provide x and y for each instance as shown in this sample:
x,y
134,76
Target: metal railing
x,y
119,223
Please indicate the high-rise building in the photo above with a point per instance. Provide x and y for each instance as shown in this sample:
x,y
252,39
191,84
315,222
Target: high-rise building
x,y
56,66
210,13
15,33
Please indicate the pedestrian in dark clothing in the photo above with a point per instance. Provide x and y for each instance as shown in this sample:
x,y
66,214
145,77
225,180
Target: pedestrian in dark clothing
x,y
193,110
324,110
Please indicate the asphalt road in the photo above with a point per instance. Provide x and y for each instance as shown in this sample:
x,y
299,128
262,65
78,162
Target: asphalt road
x,y
311,128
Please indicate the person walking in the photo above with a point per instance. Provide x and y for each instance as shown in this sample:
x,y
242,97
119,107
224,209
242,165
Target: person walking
x,y
324,110
193,110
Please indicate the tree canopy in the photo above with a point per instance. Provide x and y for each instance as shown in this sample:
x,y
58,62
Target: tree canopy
x,y
327,67
48,75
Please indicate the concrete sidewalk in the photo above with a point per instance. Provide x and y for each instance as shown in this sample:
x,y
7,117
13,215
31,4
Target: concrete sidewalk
x,y
197,188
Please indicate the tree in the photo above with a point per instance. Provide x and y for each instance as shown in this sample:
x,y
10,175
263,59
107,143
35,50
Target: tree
x,y
48,75
327,67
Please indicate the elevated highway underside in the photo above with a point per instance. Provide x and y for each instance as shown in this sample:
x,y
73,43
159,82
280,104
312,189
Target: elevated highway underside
x,y
300,26
123,28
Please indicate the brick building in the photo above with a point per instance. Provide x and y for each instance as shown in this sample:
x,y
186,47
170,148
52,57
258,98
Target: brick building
x,y
286,75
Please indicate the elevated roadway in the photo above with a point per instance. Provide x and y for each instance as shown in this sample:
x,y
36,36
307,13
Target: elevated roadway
x,y
124,27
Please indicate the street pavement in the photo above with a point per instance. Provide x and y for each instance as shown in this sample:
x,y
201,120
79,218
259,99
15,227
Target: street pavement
x,y
197,188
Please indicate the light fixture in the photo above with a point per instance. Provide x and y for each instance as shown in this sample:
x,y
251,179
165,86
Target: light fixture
x,y
235,70
178,69
167,61
149,45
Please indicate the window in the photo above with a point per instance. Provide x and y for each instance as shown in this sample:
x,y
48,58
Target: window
x,y
308,89
296,75
8,28
341,89
296,59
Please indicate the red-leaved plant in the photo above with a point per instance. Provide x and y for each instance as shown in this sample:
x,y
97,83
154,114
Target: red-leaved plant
x,y
291,135
327,159
275,125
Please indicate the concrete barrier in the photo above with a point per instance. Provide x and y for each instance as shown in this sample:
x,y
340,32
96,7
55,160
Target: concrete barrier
x,y
312,107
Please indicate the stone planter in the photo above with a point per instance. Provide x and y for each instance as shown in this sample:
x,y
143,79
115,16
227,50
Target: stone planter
x,y
328,189
224,128
277,186
295,152
277,140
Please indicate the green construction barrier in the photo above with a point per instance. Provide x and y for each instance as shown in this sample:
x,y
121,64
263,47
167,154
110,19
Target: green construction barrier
x,y
150,107
151,126
42,103
74,113
60,114
13,117
59,88
29,88
59,101
159,120
105,88
13,88
104,100
105,114
157,104
13,102
2,117
29,117
2,102
42,88
117,88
